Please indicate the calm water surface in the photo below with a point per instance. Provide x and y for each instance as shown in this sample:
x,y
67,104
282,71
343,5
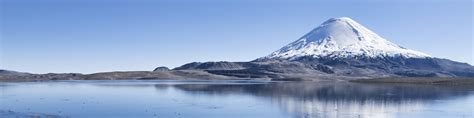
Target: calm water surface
x,y
238,99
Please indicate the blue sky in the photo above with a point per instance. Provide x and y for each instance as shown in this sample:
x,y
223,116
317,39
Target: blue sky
x,y
88,36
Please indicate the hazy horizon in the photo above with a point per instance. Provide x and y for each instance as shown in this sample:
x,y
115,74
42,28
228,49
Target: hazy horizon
x,y
90,36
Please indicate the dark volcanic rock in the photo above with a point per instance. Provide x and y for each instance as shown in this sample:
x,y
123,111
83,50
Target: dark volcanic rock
x,y
161,68
345,67
391,66
323,68
223,65
267,69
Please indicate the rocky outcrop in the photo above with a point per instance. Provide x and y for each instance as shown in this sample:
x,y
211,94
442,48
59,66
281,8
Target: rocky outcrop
x,y
222,65
161,69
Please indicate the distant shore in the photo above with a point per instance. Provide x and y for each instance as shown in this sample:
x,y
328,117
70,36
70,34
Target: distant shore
x,y
420,80
199,75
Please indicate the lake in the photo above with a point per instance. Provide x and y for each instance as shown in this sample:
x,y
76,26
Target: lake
x,y
233,99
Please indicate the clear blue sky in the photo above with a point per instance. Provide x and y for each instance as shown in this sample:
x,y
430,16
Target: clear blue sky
x,y
120,35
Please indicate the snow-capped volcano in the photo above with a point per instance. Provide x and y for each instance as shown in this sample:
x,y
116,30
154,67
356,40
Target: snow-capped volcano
x,y
343,37
339,48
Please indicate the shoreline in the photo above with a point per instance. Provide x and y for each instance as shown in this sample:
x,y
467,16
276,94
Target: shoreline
x,y
420,80
395,80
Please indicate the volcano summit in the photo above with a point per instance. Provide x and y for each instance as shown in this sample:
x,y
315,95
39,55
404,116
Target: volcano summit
x,y
343,38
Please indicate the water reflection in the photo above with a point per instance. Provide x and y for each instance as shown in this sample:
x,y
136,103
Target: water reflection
x,y
342,99
216,99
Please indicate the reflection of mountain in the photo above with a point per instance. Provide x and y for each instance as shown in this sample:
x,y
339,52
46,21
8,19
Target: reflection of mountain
x,y
311,99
